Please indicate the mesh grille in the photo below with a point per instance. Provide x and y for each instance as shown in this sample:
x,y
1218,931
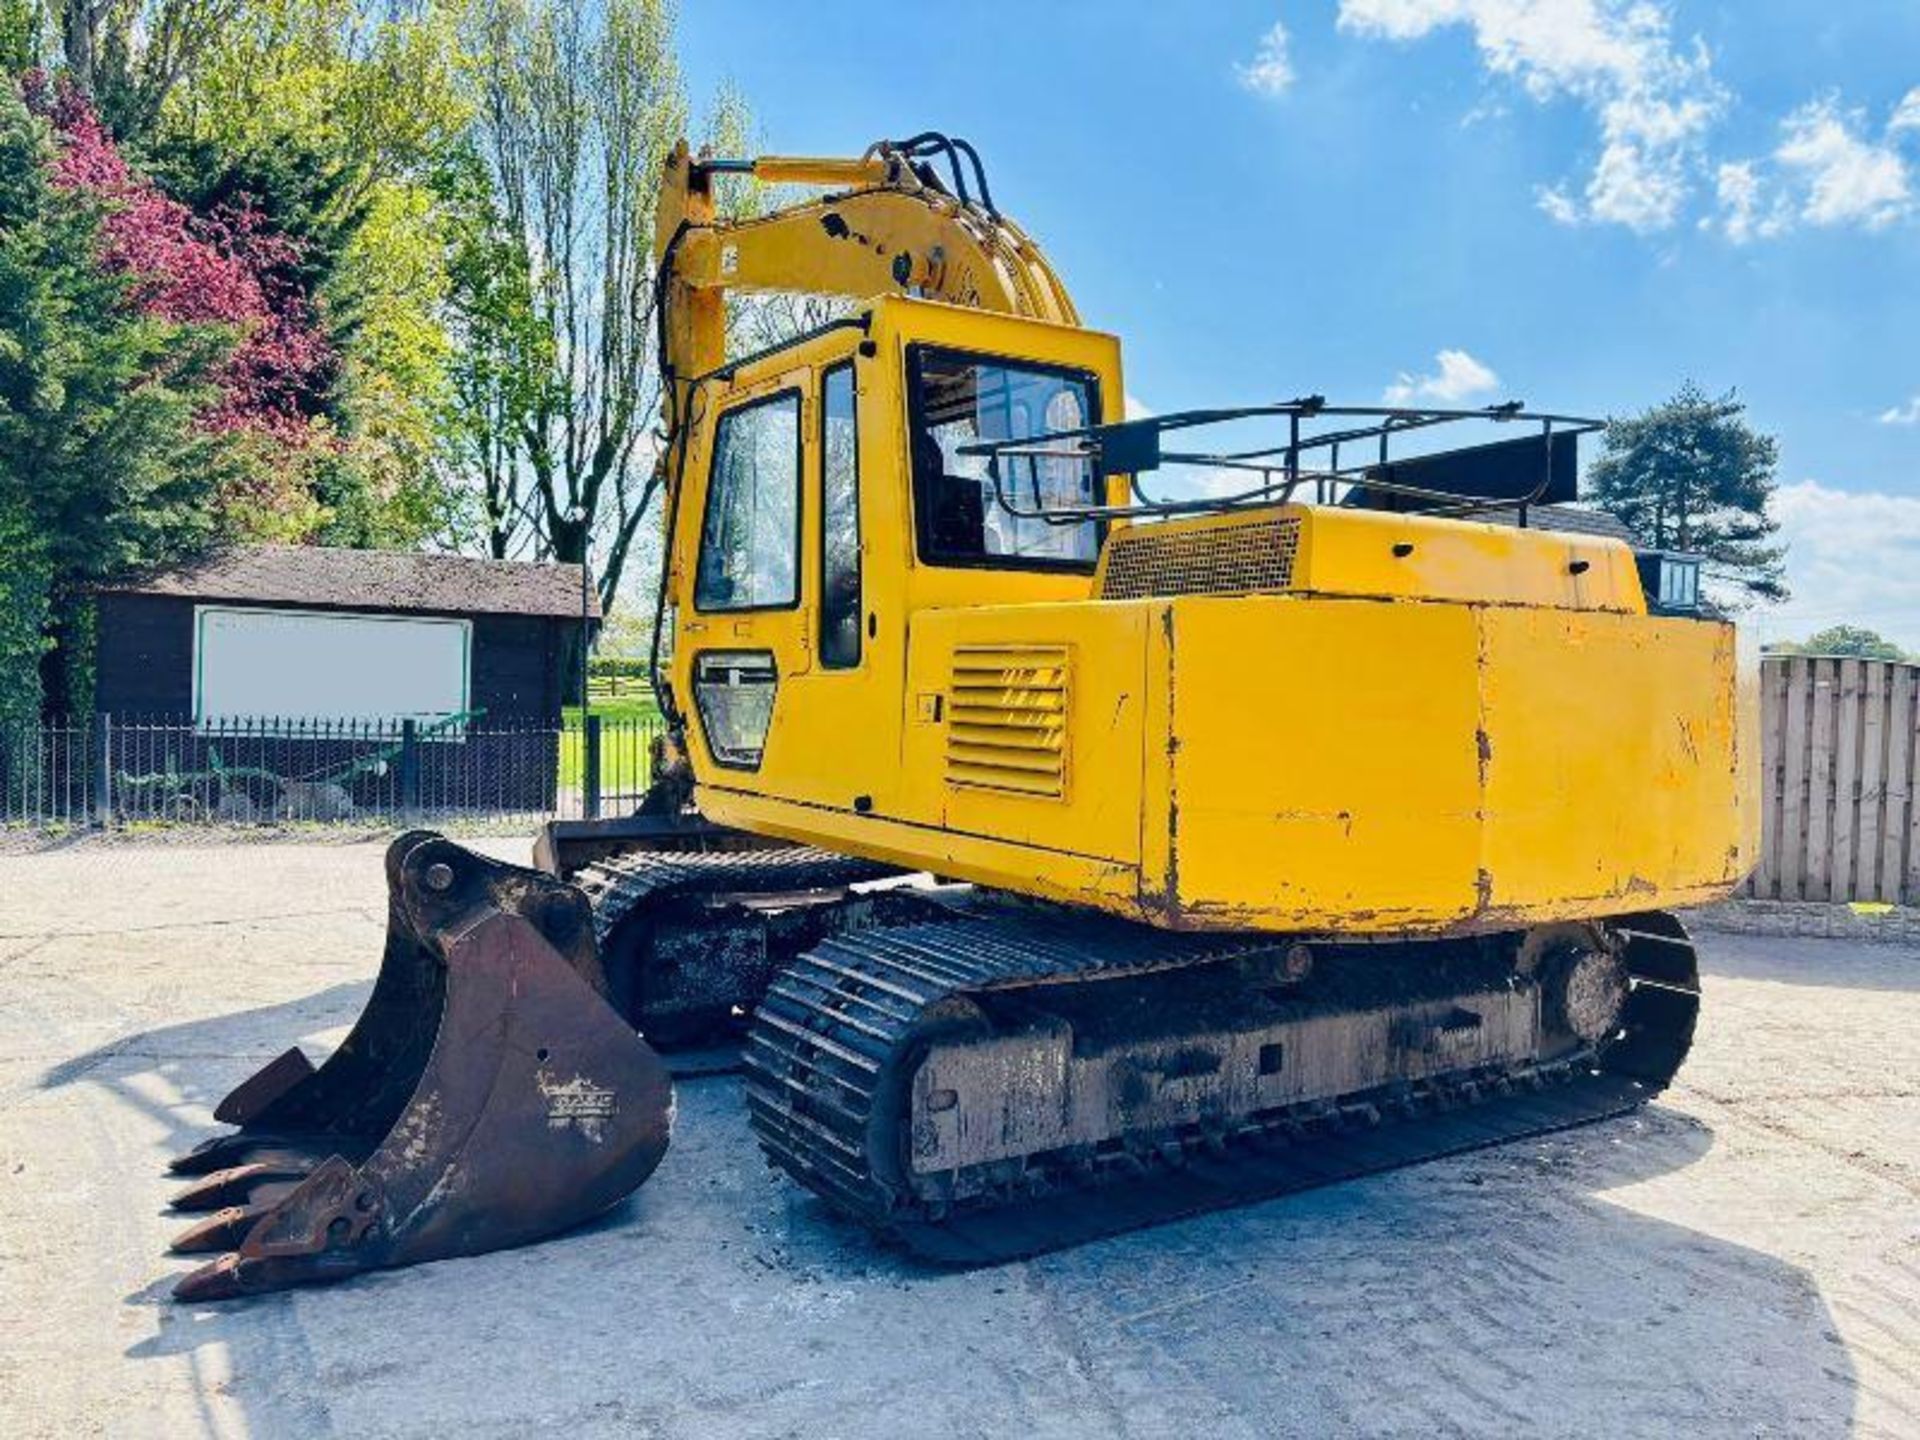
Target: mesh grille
x,y
1007,720
1151,560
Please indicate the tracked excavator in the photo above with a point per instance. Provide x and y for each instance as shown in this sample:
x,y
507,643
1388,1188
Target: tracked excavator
x,y
1056,859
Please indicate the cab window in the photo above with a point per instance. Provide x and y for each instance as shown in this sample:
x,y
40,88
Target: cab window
x,y
961,518
750,538
839,522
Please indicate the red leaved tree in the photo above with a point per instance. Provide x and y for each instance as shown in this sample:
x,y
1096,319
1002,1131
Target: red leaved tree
x,y
229,269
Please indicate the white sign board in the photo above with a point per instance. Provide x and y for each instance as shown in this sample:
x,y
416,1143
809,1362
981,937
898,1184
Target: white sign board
x,y
308,665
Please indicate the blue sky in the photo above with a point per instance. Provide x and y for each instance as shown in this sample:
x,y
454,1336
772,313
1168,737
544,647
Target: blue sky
x,y
1578,203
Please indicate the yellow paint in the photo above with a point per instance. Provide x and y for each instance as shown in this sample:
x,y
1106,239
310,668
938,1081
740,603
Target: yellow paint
x,y
1432,726
1352,552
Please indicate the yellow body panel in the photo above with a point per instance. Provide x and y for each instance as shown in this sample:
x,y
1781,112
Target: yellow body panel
x,y
1256,762
1389,556
1352,552
1443,766
1419,726
1316,779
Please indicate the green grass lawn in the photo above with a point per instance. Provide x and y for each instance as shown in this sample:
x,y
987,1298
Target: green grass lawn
x,y
627,708
627,726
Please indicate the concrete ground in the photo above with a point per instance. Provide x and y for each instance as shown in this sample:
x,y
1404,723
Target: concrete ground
x,y
1743,1259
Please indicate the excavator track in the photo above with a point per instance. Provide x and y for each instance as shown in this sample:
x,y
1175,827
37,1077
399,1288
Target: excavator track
x,y
690,939
622,887
835,1049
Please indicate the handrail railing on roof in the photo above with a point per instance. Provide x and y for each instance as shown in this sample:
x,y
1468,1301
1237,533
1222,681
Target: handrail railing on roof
x,y
1129,447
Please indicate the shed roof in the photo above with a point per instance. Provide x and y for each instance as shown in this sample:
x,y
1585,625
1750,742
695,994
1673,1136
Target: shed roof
x,y
406,580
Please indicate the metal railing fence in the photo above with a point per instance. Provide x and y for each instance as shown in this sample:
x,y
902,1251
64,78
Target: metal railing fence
x,y
113,769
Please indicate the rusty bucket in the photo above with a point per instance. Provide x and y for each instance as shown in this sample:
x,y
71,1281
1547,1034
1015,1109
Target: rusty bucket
x,y
488,1096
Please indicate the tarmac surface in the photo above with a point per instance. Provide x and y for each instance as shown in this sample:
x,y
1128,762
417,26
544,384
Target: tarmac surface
x,y
1741,1259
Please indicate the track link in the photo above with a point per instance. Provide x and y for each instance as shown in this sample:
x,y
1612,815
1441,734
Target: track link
x,y
833,1047
623,888
689,939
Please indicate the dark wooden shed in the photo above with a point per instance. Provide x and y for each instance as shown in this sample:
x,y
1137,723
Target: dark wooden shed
x,y
524,620
319,643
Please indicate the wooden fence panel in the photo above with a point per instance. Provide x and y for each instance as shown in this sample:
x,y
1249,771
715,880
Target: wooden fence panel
x,y
1878,727
1792,795
1902,722
1822,702
1841,882
1909,740
1840,781
1873,782
1766,878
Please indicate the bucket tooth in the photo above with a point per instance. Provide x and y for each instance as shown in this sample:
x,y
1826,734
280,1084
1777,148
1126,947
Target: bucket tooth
x,y
236,1186
488,1095
266,1085
240,1147
216,1280
225,1229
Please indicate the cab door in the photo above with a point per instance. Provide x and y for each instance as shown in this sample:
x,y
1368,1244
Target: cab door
x,y
843,752
746,634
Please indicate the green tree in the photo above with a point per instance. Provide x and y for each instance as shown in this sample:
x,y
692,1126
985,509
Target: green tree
x,y
22,32
127,56
392,288
579,102
1693,475
103,466
332,118
1853,641
26,580
377,88
500,359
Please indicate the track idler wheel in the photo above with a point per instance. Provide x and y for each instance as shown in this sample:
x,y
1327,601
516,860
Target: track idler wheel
x,y
488,1096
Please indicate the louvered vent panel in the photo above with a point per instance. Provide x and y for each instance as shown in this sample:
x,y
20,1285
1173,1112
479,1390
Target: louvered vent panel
x,y
1007,719
1152,560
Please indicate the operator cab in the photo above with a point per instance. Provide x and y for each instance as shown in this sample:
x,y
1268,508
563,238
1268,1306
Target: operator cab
x,y
828,496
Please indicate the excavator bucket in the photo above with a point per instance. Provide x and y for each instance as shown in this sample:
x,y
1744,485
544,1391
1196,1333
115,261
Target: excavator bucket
x,y
488,1096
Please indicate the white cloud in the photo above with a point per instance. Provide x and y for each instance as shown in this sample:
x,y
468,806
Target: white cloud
x,y
1637,188
1826,171
1459,377
1652,100
1847,179
1853,557
1906,115
1271,72
1557,205
1907,414
1747,211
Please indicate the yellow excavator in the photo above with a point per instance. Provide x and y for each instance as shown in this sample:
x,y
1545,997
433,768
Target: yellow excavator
x,y
1058,848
